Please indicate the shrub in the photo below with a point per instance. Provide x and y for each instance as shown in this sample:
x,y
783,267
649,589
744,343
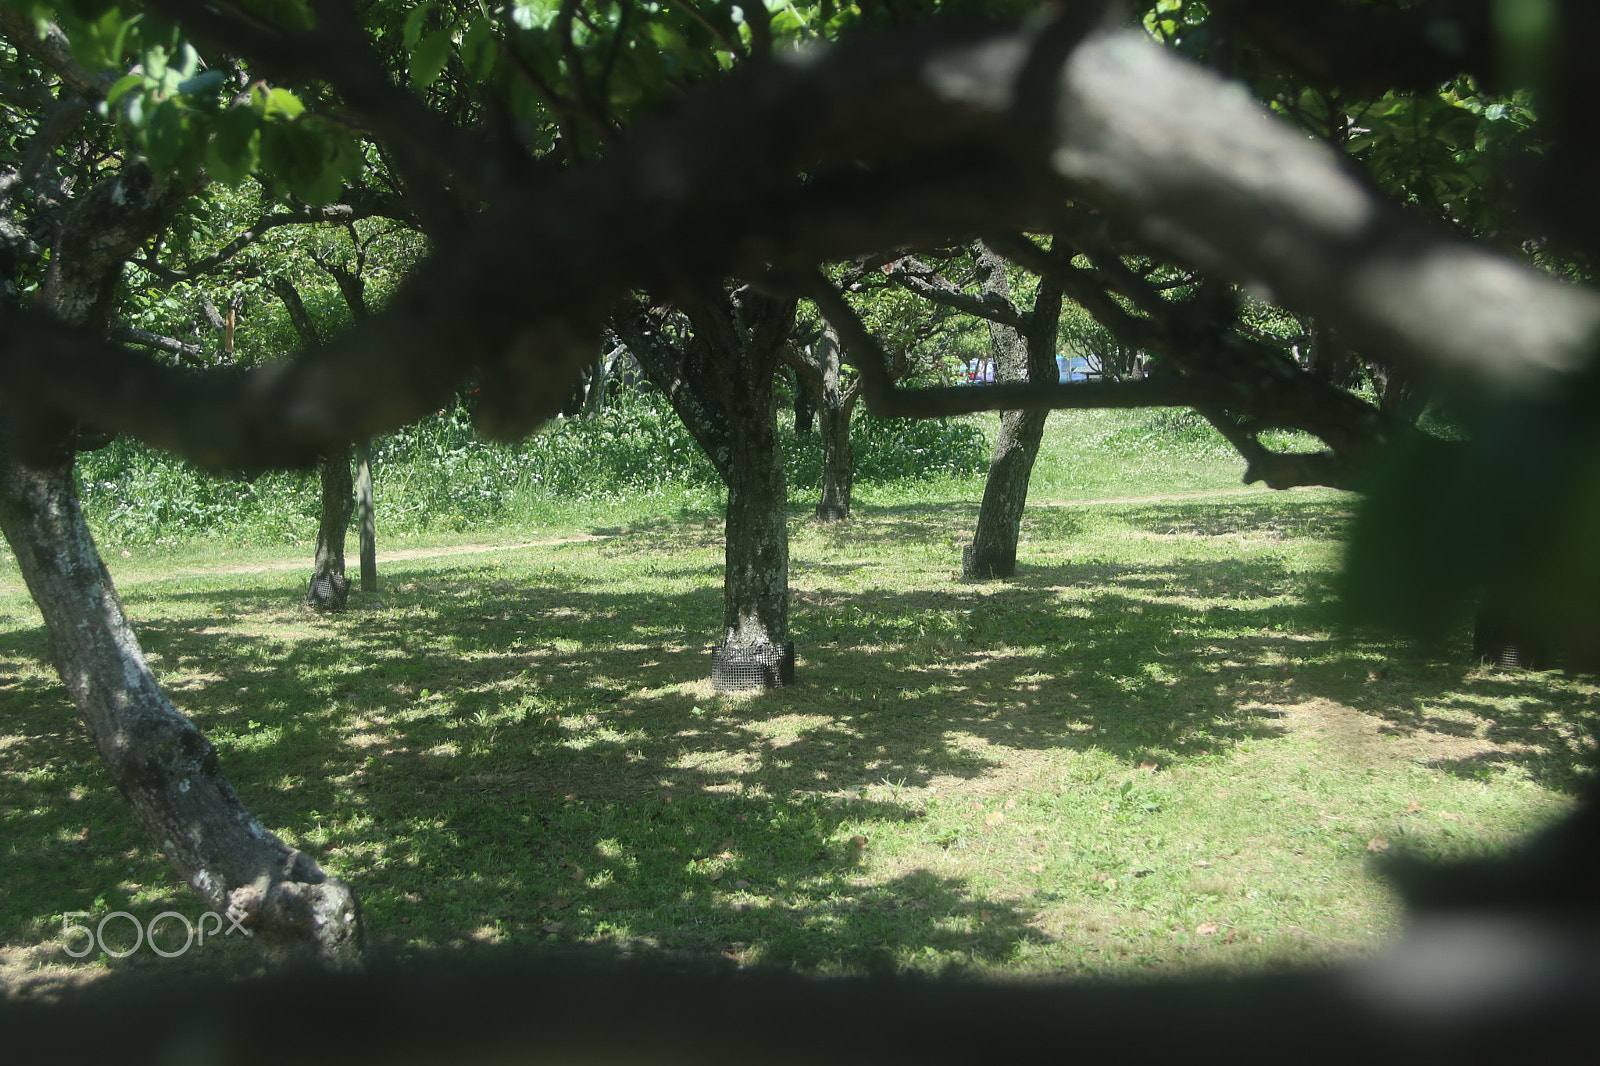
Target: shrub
x,y
439,473
893,449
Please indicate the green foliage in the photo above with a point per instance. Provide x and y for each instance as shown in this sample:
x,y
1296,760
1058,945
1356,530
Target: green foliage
x,y
439,474
1506,514
441,467
137,495
181,116
893,450
1444,150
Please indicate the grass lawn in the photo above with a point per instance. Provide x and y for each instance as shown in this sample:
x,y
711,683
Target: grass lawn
x,y
1148,753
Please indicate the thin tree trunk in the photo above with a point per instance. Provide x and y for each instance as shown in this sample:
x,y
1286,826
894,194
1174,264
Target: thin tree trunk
x,y
805,405
834,406
165,769
353,287
819,374
595,400
1025,356
993,552
838,460
329,588
366,517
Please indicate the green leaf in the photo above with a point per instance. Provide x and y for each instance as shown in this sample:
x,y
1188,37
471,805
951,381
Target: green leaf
x,y
479,48
1510,510
188,60
98,43
412,32
429,58
204,84
120,88
535,14
276,103
235,148
164,139
666,36
312,157
155,62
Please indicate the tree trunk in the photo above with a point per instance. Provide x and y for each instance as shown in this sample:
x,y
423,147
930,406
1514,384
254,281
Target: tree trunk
x,y
165,769
353,287
1331,360
756,650
834,406
719,380
366,516
838,460
993,552
1026,356
330,588
805,405
594,401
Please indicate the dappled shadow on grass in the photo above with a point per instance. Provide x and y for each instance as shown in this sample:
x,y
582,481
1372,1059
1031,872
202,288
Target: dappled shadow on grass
x,y
507,757
701,875
512,760
1274,517
877,527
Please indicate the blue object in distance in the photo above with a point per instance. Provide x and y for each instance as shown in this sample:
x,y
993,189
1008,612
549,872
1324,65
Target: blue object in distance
x,y
1071,368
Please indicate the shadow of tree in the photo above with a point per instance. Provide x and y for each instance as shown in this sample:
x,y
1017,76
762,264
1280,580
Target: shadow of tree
x,y
555,749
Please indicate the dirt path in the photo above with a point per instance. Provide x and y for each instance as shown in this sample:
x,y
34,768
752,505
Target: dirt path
x,y
1247,490
402,555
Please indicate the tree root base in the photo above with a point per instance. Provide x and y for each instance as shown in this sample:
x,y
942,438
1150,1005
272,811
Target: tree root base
x,y
752,667
983,566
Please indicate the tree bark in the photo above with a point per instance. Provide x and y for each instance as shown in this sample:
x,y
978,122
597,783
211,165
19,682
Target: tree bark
x,y
165,769
353,287
366,516
819,372
594,400
838,458
756,650
805,406
1025,355
329,589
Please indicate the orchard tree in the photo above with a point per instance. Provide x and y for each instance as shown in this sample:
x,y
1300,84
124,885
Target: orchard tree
x,y
75,222
513,142
1022,346
905,328
715,360
329,588
821,384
